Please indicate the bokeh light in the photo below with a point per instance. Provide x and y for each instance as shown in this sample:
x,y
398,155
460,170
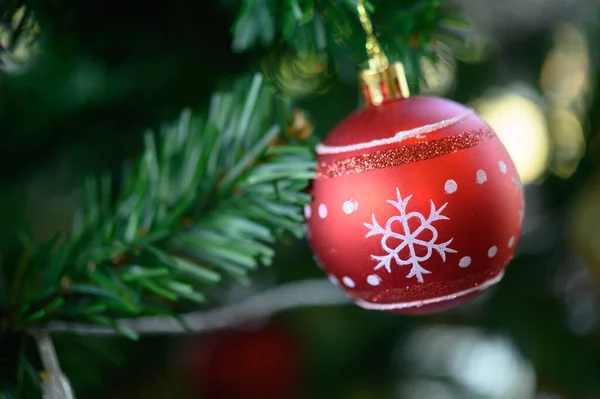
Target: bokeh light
x,y
565,75
520,124
565,81
568,139
457,362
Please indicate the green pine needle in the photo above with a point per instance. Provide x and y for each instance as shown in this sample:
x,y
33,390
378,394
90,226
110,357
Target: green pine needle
x,y
406,29
202,204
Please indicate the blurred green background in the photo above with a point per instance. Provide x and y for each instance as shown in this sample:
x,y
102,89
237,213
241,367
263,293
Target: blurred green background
x,y
83,84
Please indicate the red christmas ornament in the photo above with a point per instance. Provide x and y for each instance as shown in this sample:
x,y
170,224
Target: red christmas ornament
x,y
417,207
238,364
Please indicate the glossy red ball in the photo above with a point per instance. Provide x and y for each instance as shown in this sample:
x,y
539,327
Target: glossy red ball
x,y
417,206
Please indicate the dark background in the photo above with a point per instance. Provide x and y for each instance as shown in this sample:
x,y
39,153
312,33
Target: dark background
x,y
103,72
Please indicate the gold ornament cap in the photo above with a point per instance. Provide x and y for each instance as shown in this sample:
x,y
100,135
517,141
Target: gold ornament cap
x,y
381,82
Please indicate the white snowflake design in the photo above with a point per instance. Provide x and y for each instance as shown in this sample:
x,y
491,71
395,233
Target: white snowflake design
x,y
409,238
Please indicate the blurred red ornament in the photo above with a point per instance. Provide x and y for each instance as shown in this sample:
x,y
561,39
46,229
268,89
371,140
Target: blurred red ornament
x,y
236,364
417,207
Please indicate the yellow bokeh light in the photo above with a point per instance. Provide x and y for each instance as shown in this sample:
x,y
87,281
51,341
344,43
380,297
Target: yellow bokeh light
x,y
569,141
565,75
521,126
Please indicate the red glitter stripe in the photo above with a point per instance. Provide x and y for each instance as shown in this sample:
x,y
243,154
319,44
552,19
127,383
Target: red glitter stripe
x,y
402,155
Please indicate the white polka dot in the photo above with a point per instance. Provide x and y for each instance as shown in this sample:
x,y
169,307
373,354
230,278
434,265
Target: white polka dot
x,y
373,280
350,206
307,211
322,211
333,280
511,242
492,251
481,176
502,166
450,186
348,282
464,261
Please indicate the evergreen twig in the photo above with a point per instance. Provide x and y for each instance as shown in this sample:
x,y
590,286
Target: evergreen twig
x,y
55,385
201,204
302,294
408,29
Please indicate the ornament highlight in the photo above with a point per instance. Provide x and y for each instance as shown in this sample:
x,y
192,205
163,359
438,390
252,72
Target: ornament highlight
x,y
417,207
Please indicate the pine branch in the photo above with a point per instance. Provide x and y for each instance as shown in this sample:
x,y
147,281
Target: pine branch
x,y
200,206
309,293
409,31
